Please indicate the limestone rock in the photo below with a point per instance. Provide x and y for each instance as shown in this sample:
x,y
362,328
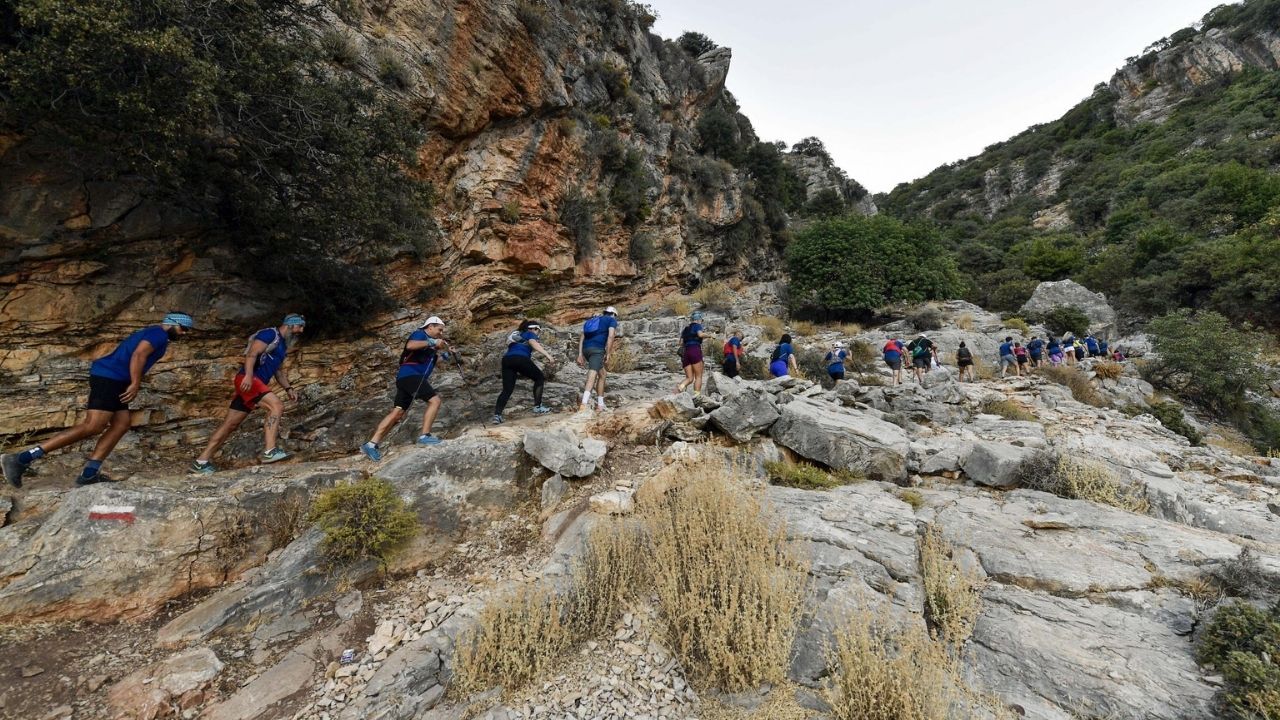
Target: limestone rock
x,y
613,502
995,464
747,413
562,451
842,438
155,691
1062,293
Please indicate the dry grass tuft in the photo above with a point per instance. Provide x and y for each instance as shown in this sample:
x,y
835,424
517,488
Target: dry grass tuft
x,y
610,569
849,329
1108,370
1018,325
912,498
679,305
1081,387
462,333
965,321
714,296
622,358
1007,409
953,595
1080,480
517,637
808,477
805,328
728,584
773,327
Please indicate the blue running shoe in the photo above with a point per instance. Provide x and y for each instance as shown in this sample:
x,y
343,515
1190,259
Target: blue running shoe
x,y
429,439
202,468
274,455
541,410
497,420
371,451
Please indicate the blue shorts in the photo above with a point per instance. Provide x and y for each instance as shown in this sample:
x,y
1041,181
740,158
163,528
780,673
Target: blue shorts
x,y
778,368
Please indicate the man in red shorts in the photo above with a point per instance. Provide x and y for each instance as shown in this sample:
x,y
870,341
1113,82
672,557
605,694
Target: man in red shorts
x,y
264,360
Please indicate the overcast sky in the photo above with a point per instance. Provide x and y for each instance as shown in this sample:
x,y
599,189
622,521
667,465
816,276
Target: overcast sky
x,y
896,88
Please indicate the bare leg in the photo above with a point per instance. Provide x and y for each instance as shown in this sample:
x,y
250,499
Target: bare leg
x,y
688,379
271,426
387,423
95,422
120,422
586,390
429,417
697,376
228,426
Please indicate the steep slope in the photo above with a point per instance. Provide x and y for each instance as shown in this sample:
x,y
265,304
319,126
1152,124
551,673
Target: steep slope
x,y
1160,189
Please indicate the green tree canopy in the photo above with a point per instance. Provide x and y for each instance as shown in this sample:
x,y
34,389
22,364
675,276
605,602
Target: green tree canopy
x,y
855,264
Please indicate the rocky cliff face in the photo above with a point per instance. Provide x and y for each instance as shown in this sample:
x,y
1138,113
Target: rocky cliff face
x,y
561,143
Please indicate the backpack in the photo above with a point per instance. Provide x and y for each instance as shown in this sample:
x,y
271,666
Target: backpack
x,y
515,337
777,353
920,350
592,325
686,336
892,346
271,346
963,354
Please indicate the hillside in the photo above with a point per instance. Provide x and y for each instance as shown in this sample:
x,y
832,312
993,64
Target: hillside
x,y
1160,189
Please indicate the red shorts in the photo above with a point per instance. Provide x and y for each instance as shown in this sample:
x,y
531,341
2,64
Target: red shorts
x,y
247,401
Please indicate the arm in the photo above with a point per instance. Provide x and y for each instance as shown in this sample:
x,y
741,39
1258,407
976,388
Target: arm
x,y
537,346
250,362
608,344
283,378
137,361
582,361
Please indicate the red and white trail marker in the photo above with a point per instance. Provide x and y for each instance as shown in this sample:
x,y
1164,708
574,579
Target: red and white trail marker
x,y
123,513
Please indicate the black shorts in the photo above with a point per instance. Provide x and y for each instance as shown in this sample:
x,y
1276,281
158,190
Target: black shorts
x,y
104,394
921,362
836,375
411,388
964,363
730,366
1022,359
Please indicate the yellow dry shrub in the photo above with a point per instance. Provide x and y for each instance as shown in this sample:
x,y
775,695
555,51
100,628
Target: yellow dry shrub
x,y
773,327
805,328
965,321
1108,370
714,296
678,304
610,569
516,638
849,329
1083,480
622,358
952,594
728,584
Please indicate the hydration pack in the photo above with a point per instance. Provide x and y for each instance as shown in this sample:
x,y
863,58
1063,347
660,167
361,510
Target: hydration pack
x,y
271,346
592,325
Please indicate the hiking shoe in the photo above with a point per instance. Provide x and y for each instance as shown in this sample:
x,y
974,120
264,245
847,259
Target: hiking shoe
x,y
497,420
13,469
541,410
371,451
274,455
202,468
428,439
98,477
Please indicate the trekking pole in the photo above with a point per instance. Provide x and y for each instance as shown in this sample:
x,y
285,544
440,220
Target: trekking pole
x,y
457,362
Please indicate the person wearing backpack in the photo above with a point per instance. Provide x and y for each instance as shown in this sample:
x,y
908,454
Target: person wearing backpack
x,y
691,355
114,382
732,354
1007,357
1091,344
783,360
835,361
263,360
964,361
521,345
893,350
922,351
1055,351
1020,353
1035,350
1104,351
424,348
598,334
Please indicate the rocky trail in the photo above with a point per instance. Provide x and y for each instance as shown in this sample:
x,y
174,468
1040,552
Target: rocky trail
x,y
210,597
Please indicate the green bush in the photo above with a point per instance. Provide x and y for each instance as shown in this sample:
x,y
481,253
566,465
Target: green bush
x,y
695,43
532,15
856,264
630,192
363,519
926,317
238,111
578,215
808,477
391,68
1203,357
339,47
826,203
1242,642
1063,320
1170,415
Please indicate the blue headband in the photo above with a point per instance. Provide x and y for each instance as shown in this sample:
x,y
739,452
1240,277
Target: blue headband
x,y
293,319
177,318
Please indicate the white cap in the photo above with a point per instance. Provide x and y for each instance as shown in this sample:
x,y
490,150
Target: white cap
x,y
611,310
433,320
837,344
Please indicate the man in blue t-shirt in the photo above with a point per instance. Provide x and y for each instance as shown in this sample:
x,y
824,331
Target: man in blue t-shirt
x,y
263,361
114,381
1007,358
594,346
835,361
1035,349
424,348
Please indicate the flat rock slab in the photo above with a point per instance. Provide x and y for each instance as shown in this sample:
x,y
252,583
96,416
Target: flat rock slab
x,y
843,439
293,674
563,452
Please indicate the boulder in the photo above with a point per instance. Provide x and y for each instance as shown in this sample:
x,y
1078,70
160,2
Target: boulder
x,y
995,464
166,687
843,439
295,672
1063,293
748,412
613,502
562,451
680,406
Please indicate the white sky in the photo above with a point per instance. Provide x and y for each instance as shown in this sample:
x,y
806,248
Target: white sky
x,y
897,88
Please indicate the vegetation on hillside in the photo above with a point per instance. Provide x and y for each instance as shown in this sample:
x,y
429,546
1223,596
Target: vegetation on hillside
x,y
241,112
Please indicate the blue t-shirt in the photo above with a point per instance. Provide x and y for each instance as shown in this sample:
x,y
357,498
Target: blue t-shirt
x,y
522,349
1054,347
1006,349
838,364
600,337
691,336
116,365
269,362
1035,346
1092,344
415,363
784,351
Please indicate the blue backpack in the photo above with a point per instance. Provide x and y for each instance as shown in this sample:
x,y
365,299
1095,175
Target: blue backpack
x,y
592,325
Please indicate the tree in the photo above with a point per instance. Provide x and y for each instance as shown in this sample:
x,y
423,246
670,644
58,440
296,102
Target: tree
x,y
1203,357
695,43
718,134
825,203
853,265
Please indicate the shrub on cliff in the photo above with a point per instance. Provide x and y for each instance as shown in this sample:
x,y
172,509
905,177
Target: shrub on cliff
x,y
236,110
1063,320
853,265
364,519
695,43
1242,643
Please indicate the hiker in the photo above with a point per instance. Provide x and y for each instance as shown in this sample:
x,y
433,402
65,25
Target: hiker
x,y
893,351
922,356
1069,349
598,333
1103,349
1080,351
1091,344
263,360
114,381
1007,358
1116,355
835,361
521,345
1020,353
1055,351
783,360
691,355
418,358
964,361
1035,350
733,354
